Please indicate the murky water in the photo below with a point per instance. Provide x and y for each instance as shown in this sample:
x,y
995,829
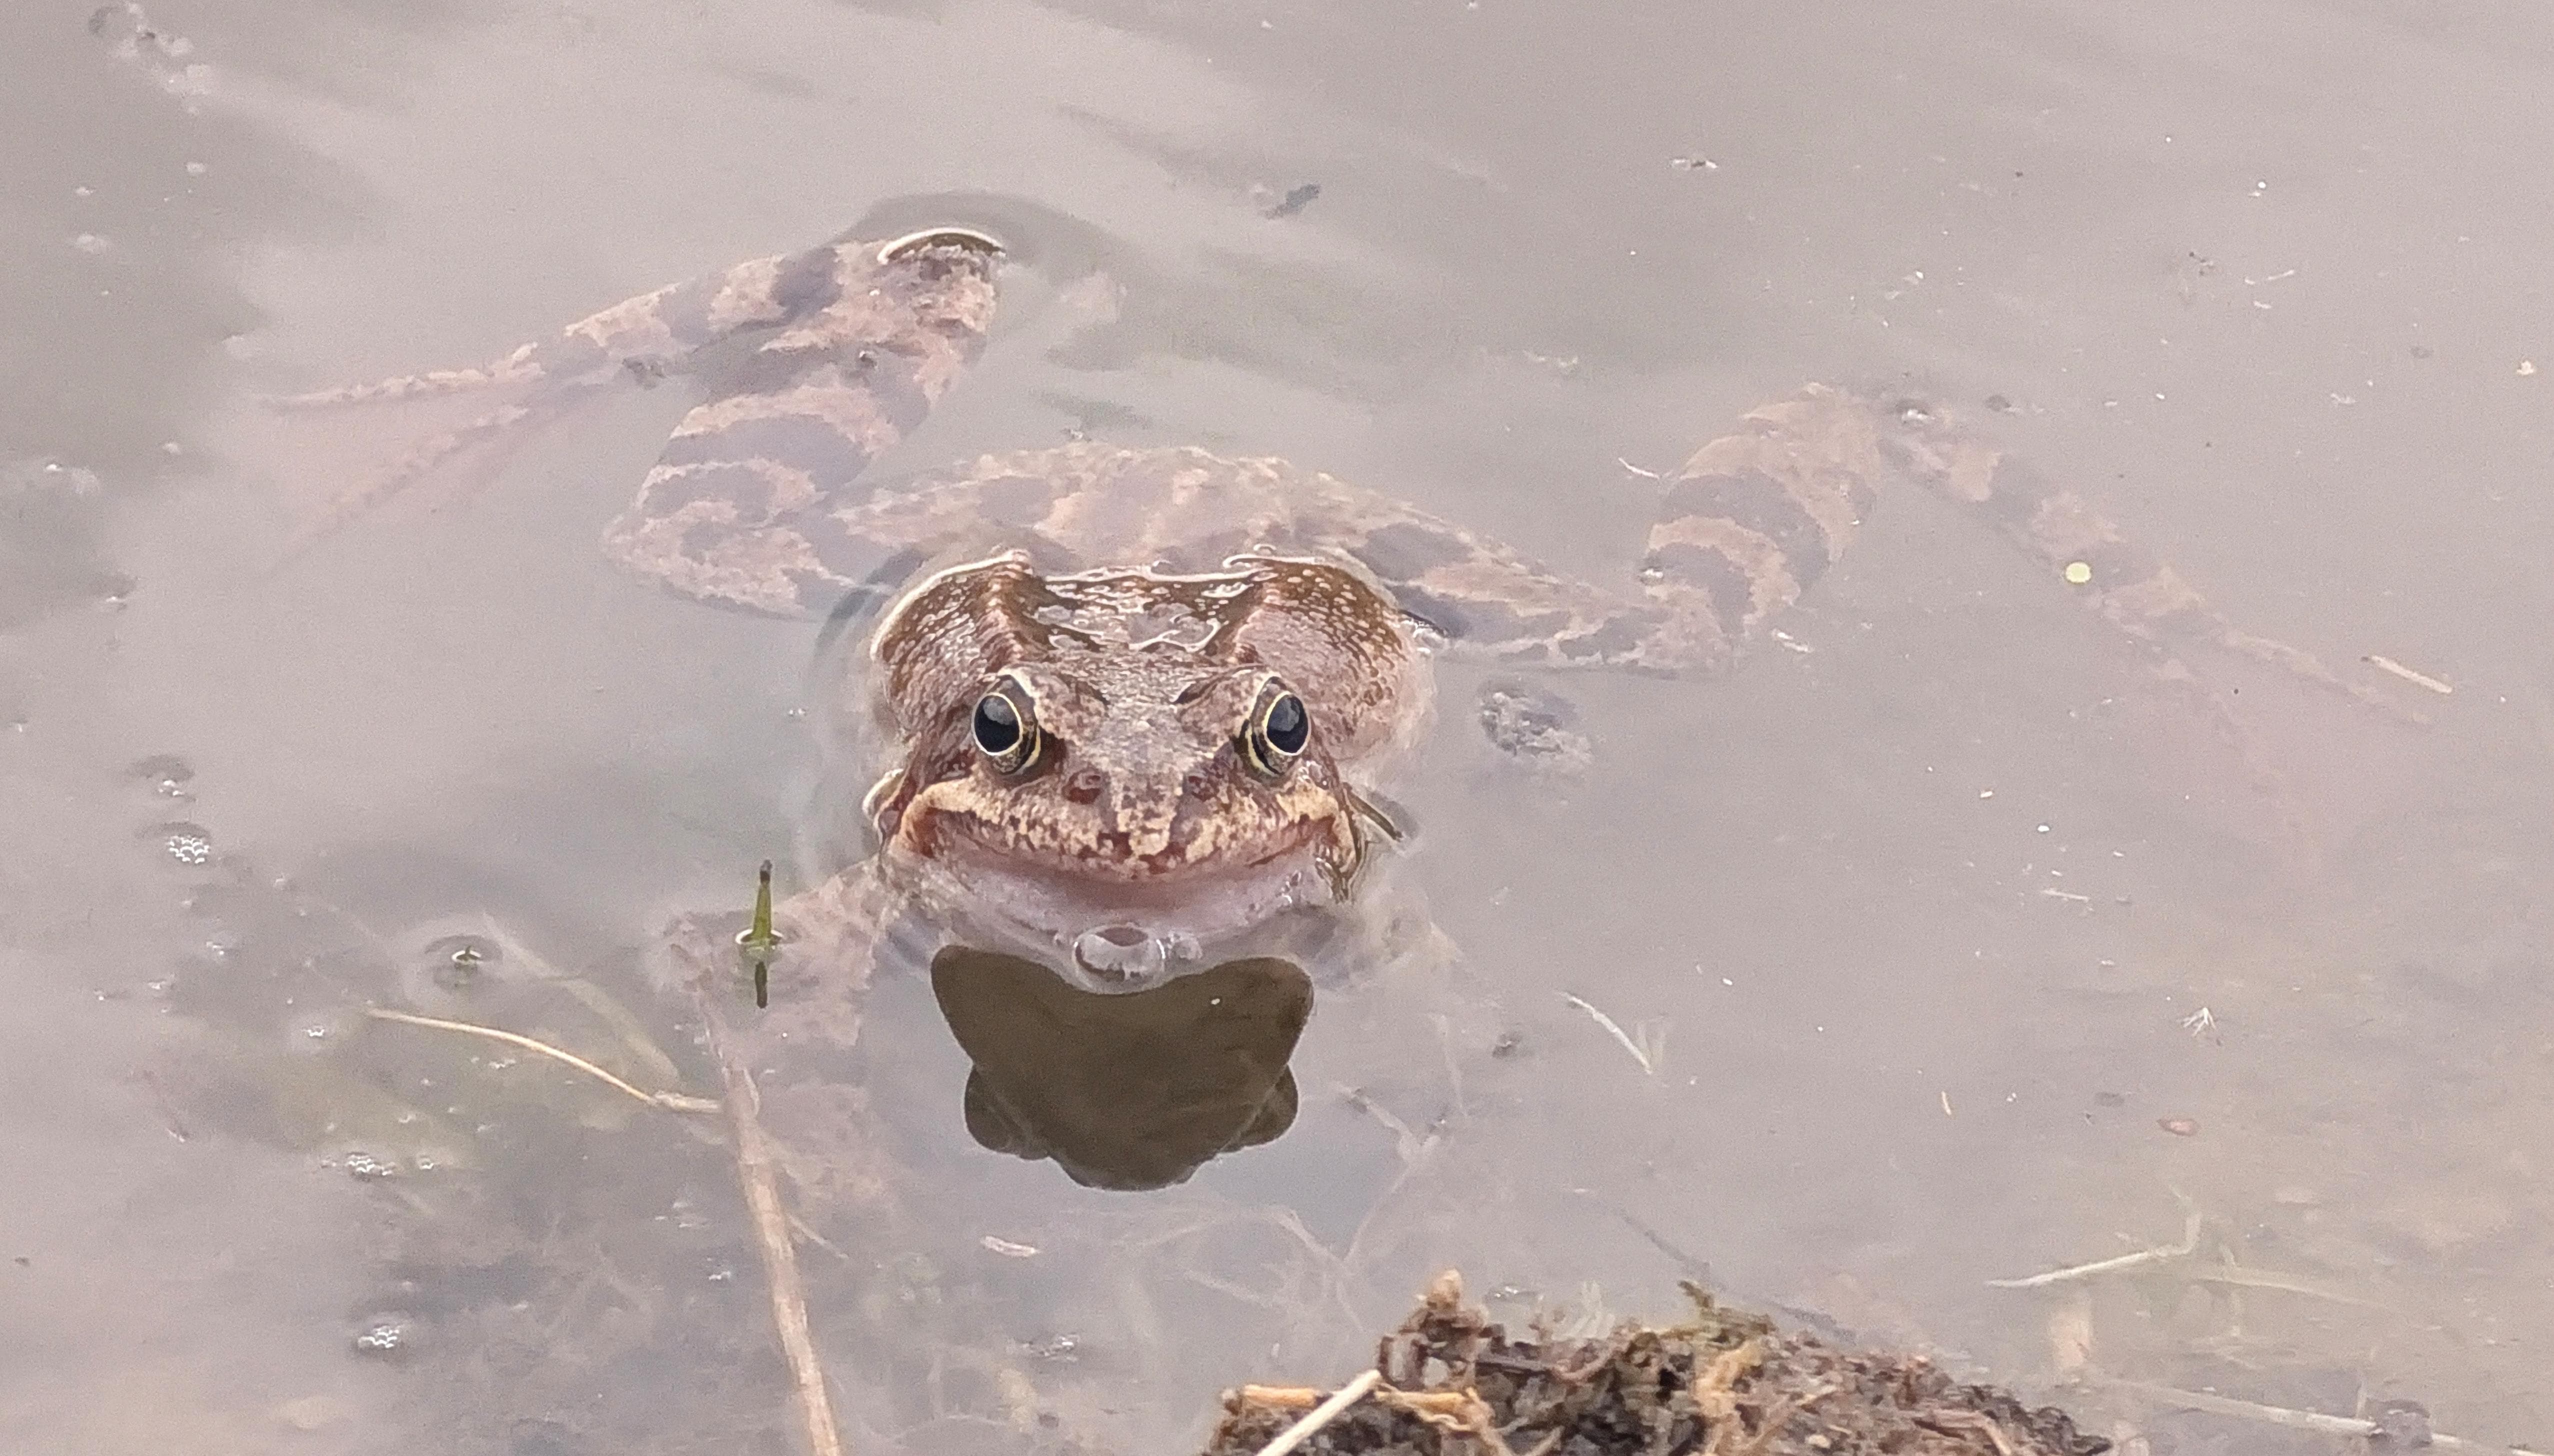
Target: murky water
x,y
1956,951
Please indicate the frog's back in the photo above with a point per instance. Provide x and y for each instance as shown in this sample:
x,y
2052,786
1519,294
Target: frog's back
x,y
1089,505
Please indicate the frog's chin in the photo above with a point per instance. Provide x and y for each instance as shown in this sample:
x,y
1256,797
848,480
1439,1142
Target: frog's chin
x,y
1116,936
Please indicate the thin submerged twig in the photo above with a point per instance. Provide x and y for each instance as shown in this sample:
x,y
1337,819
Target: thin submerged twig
x,y
2282,1415
632,1033
168,1117
2411,674
756,1172
1408,1144
2238,1277
671,1101
1641,1054
2161,1254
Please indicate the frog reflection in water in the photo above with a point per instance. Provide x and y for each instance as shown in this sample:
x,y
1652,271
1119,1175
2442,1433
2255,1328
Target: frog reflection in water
x,y
1133,700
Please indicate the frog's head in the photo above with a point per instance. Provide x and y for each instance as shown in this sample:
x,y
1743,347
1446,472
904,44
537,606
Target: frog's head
x,y
1132,746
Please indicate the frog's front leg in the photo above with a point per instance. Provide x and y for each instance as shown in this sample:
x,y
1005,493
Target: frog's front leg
x,y
788,1060
818,961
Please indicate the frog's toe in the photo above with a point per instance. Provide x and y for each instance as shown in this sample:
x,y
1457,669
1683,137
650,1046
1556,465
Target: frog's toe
x,y
1534,726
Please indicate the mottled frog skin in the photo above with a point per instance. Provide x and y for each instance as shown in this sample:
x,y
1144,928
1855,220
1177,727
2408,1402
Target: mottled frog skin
x,y
1132,698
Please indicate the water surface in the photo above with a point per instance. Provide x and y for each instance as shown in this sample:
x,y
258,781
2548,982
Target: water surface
x,y
1936,918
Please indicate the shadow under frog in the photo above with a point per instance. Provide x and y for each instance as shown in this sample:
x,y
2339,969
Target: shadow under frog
x,y
1130,1092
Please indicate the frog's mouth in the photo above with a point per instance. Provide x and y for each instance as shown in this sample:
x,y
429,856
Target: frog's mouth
x,y
1183,895
1110,874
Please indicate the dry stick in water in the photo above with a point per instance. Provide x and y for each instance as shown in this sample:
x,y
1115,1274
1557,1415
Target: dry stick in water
x,y
2161,1253
1322,1415
761,1182
2312,1421
671,1101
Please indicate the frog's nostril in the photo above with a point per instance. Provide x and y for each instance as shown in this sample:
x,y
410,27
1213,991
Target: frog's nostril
x,y
1083,786
1194,785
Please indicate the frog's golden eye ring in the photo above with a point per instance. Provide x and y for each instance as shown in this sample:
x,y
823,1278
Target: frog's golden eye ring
x,y
1005,727
1279,730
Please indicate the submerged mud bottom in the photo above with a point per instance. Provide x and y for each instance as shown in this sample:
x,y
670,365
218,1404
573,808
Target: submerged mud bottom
x,y
1725,1383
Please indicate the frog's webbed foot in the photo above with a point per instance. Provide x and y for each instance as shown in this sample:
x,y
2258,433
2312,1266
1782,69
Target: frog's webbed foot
x,y
792,302
492,434
640,339
2127,586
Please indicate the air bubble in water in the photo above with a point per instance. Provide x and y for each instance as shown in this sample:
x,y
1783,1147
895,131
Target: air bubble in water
x,y
458,962
1121,956
190,844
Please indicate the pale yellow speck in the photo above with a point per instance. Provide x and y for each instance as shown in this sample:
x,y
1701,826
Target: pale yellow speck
x,y
2078,573
2527,366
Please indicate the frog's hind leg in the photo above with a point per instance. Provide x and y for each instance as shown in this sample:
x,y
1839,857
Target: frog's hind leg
x,y
1488,600
644,337
756,500
1757,515
1748,525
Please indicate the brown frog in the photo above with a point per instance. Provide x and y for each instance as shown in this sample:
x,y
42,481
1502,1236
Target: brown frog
x,y
1129,709
1132,701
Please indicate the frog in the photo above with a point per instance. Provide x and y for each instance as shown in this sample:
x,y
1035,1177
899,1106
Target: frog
x,y
1135,699
1129,718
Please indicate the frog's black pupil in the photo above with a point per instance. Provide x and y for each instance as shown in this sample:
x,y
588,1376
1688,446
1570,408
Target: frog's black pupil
x,y
1286,726
997,724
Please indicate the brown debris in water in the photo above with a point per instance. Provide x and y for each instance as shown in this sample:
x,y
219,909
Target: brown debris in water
x,y
1725,1383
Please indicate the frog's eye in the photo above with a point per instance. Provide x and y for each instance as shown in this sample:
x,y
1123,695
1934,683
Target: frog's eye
x,y
1005,727
1277,734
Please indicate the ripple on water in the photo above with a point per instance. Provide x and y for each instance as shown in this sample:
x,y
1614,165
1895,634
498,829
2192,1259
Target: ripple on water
x,y
166,775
